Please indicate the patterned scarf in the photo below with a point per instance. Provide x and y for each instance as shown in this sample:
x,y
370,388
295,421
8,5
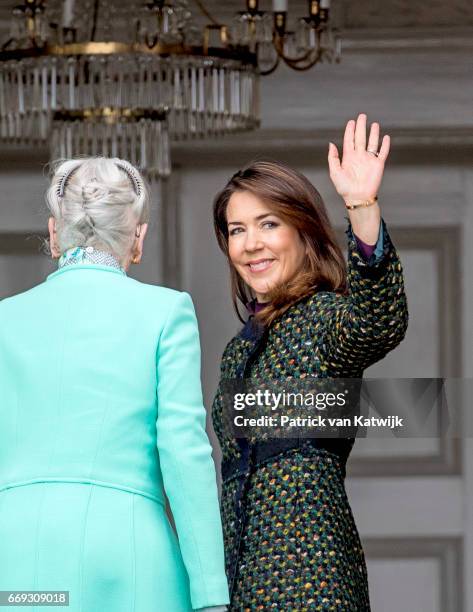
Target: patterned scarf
x,y
78,255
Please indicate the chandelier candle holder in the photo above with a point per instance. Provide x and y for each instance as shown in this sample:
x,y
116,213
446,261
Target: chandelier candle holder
x,y
91,77
266,34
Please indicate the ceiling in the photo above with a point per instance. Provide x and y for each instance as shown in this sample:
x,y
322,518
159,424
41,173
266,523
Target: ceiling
x,y
372,16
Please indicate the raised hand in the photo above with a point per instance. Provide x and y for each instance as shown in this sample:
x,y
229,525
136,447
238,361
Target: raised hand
x,y
358,175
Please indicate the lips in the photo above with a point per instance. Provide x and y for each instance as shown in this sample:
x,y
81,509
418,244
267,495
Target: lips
x,y
261,265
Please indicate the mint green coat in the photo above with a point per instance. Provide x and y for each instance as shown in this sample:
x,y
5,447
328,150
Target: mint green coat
x,y
100,410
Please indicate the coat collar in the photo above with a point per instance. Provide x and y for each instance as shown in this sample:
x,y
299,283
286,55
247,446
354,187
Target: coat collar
x,y
85,266
88,254
80,258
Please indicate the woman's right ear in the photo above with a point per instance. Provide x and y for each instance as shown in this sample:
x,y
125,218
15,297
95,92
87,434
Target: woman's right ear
x,y
53,238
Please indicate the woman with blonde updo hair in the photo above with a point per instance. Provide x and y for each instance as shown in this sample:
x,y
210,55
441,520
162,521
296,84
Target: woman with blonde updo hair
x,y
101,413
101,210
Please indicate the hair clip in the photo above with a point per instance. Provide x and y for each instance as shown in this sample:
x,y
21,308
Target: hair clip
x,y
61,185
130,171
128,168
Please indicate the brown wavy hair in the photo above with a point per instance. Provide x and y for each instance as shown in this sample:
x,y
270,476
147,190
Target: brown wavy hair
x,y
294,199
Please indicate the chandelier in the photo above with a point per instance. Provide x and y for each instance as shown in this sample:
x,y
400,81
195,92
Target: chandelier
x,y
92,77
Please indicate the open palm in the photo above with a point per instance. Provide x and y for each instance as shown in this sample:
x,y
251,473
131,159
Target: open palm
x,y
358,175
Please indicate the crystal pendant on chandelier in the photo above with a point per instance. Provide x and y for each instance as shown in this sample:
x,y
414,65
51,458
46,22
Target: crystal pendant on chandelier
x,y
128,94
143,142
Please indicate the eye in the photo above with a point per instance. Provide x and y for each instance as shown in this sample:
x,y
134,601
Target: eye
x,y
235,230
270,224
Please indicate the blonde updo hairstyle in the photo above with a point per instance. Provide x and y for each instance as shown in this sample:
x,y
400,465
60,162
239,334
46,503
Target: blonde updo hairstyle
x,y
98,202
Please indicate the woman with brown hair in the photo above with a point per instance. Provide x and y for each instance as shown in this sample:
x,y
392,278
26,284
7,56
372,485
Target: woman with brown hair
x,y
290,539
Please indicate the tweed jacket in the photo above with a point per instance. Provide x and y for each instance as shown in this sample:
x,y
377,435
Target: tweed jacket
x,y
323,335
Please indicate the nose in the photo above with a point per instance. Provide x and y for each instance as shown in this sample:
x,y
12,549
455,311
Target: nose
x,y
253,241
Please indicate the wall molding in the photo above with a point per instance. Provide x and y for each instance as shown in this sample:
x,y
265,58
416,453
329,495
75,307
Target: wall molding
x,y
429,145
448,551
420,142
446,243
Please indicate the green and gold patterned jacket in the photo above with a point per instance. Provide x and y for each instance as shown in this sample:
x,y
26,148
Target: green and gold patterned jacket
x,y
323,335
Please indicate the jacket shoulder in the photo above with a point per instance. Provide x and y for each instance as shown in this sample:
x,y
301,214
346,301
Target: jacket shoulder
x,y
159,291
317,302
13,300
131,291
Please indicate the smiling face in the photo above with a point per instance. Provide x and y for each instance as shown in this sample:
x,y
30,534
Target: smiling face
x,y
265,250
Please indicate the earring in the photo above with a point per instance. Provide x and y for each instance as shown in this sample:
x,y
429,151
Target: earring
x,y
138,231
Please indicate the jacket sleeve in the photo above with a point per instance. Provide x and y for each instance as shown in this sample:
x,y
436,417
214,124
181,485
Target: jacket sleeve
x,y
185,456
372,319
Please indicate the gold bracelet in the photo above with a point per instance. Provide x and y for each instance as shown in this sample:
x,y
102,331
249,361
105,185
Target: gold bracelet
x,y
362,204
